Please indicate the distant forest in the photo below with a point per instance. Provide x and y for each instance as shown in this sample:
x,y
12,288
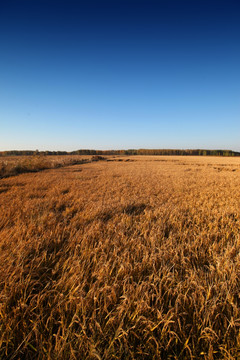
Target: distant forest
x,y
198,152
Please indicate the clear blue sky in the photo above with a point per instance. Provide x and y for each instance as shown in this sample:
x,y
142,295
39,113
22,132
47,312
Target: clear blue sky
x,y
119,74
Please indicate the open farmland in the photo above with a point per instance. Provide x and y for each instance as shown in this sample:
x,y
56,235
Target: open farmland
x,y
134,259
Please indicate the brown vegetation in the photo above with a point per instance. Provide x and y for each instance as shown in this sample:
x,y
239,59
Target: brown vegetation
x,y
11,166
122,260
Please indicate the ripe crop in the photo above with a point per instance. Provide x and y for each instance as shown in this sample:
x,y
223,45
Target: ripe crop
x,y
122,259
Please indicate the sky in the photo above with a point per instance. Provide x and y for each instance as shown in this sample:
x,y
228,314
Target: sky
x,y
119,74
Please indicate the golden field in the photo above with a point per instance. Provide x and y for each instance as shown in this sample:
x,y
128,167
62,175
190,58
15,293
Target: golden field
x,y
131,259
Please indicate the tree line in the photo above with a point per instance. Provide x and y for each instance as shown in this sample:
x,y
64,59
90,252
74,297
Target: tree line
x,y
188,152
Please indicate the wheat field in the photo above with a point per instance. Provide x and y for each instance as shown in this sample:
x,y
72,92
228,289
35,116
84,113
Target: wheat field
x,y
130,258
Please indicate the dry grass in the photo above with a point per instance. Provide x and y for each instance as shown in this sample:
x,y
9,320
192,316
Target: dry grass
x,y
122,260
15,165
